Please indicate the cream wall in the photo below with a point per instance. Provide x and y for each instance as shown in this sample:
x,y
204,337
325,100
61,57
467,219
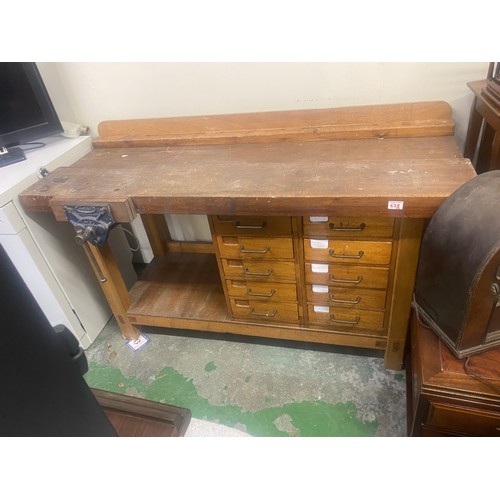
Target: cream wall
x,y
90,92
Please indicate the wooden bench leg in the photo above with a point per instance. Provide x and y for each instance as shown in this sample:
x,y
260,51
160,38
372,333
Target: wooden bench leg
x,y
410,237
473,131
495,152
109,276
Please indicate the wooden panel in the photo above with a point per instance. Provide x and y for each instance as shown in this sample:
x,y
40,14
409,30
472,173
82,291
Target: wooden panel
x,y
121,210
248,269
338,317
136,417
348,251
255,310
264,291
157,232
337,227
252,226
465,420
405,267
346,297
447,395
271,180
387,120
179,285
346,275
234,247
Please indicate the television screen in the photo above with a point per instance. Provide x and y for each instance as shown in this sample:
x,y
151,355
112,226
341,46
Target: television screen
x,y
26,110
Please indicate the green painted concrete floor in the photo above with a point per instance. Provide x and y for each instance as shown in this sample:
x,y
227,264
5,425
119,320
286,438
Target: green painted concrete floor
x,y
263,388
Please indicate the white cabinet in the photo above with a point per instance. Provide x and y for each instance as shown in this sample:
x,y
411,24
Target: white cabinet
x,y
44,251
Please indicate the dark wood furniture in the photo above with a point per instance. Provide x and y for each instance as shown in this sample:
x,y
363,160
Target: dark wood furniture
x,y
136,417
457,289
448,396
482,143
316,218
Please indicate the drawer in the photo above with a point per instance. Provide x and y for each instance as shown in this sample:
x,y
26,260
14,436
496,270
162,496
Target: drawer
x,y
340,227
264,311
252,226
235,247
347,276
263,291
259,270
346,297
348,251
464,420
345,318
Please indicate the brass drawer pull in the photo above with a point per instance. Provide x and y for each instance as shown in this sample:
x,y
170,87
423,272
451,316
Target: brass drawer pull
x,y
265,250
344,322
267,315
242,226
250,273
342,301
341,228
253,294
340,256
338,280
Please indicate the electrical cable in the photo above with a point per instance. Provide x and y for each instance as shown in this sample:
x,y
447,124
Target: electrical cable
x,y
37,145
478,377
135,238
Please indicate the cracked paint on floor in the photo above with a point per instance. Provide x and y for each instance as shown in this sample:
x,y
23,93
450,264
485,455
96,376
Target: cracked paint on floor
x,y
305,418
257,389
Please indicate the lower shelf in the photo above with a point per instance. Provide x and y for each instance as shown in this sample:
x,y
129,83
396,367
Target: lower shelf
x,y
183,290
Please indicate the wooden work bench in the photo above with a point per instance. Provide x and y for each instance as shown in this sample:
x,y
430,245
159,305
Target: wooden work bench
x,y
316,218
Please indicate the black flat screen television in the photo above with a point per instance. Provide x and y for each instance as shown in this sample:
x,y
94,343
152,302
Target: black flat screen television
x,y
26,110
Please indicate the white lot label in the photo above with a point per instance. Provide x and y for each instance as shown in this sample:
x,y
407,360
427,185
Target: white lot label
x,y
395,205
319,268
320,289
319,243
318,219
321,309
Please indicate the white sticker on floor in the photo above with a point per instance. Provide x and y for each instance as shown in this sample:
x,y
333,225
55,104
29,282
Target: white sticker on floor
x,y
139,343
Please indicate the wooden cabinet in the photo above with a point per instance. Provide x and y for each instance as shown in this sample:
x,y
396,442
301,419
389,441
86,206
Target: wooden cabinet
x,y
316,218
257,262
348,262
448,396
323,273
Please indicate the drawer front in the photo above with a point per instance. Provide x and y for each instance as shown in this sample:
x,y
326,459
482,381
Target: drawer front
x,y
234,247
346,318
252,226
346,297
464,420
259,270
347,276
348,251
338,227
264,311
262,291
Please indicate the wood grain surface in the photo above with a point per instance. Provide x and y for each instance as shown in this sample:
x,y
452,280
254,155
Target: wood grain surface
x,y
292,178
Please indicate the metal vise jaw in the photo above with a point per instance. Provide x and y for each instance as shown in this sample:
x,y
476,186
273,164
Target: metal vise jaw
x,y
92,223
